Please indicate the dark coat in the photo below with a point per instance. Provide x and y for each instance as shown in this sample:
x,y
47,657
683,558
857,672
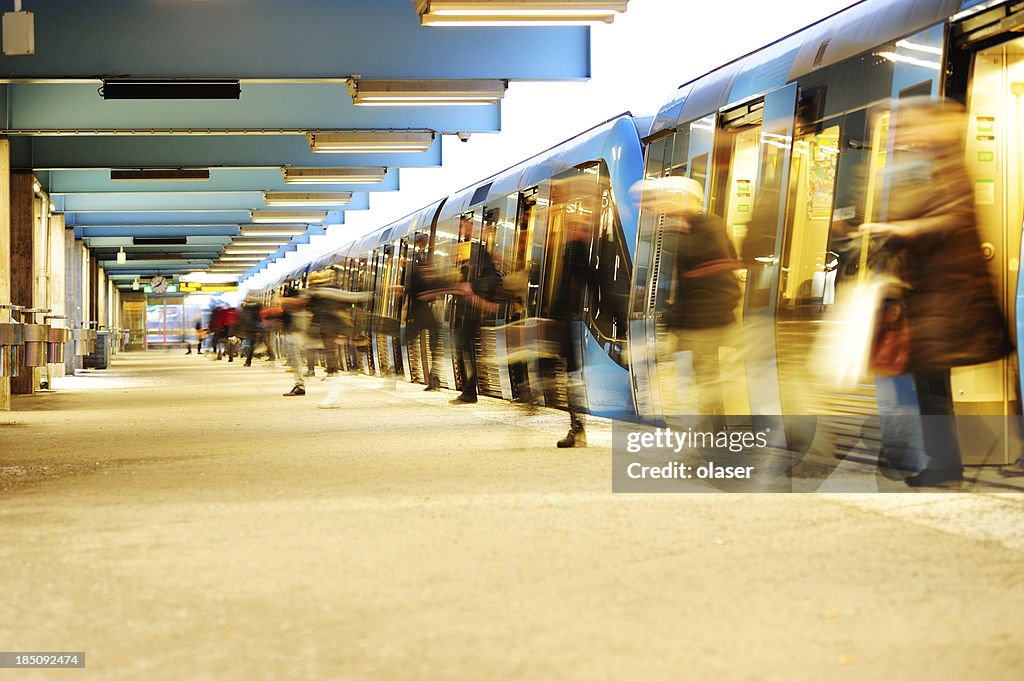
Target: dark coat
x,y
703,263
952,310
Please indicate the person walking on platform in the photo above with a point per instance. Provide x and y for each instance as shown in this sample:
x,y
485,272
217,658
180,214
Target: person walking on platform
x,y
952,311
476,293
575,277
331,308
293,316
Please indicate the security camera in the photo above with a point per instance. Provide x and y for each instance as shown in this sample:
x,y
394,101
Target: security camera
x,y
463,136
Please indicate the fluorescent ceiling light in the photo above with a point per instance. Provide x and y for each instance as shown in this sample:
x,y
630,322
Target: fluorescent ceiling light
x,y
147,88
167,174
306,199
365,142
272,230
231,250
517,12
245,243
303,216
122,257
350,175
425,92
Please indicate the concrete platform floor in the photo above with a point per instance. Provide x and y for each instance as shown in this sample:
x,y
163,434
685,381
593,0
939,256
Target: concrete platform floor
x,y
176,518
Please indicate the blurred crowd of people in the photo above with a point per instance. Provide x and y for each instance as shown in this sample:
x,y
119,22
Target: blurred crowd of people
x,y
948,314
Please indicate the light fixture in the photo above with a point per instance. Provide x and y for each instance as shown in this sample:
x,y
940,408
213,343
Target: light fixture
x,y
425,92
250,251
36,187
122,257
159,174
135,284
303,216
345,175
271,230
305,199
149,88
517,12
365,142
243,243
240,258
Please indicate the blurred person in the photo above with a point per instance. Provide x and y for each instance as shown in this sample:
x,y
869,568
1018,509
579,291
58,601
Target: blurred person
x,y
420,315
575,276
200,338
479,282
294,320
223,321
700,315
331,309
952,312
254,330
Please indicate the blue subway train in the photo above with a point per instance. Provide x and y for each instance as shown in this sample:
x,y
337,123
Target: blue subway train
x,y
790,144
519,215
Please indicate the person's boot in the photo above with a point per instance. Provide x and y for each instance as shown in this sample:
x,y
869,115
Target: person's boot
x,y
189,351
333,399
433,383
577,436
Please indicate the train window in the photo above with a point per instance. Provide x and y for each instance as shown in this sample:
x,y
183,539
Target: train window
x,y
852,83
699,149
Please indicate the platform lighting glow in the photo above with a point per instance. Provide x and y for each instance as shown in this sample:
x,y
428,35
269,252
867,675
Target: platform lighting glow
x,y
346,175
272,230
239,258
306,199
365,142
517,12
426,92
305,216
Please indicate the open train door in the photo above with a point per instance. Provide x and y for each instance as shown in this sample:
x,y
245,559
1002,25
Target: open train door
x,y
985,71
761,252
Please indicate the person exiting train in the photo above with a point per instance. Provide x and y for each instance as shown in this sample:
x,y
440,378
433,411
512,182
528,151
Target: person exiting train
x,y
575,277
420,316
700,316
479,285
952,311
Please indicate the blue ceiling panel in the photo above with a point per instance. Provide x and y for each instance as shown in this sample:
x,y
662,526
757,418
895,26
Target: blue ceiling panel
x,y
294,39
200,151
221,180
266,106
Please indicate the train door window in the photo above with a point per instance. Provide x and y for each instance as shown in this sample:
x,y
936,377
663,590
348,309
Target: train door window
x,y
735,173
809,268
699,150
526,218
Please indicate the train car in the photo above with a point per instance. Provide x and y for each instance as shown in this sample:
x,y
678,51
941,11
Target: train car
x,y
518,215
789,143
